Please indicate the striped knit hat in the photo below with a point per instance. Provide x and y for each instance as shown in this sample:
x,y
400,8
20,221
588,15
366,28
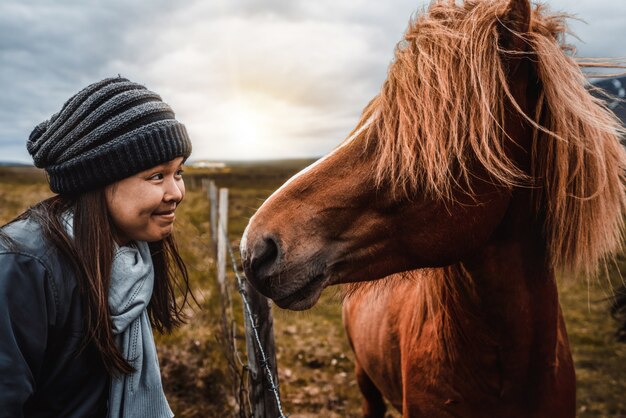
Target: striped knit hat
x,y
108,131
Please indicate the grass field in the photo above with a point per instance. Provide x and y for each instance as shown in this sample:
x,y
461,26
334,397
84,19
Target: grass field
x,y
315,363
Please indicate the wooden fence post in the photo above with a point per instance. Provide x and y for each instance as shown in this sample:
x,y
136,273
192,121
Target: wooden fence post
x,y
261,396
221,231
213,199
220,240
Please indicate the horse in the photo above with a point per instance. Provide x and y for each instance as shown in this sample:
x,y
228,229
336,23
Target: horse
x,y
481,169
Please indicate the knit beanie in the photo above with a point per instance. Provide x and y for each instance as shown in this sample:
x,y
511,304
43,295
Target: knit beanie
x,y
108,131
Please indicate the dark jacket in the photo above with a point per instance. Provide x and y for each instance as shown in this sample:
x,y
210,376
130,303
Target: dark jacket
x,y
42,373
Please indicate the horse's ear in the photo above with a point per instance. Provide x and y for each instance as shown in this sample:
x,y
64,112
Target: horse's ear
x,y
514,24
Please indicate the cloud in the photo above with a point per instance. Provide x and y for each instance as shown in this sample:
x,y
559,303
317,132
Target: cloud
x,y
48,51
250,79
307,73
599,25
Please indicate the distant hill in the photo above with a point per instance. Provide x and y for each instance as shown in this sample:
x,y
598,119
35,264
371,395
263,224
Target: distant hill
x,y
14,164
285,163
616,87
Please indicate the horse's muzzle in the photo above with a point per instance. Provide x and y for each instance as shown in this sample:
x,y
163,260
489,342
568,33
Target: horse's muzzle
x,y
260,258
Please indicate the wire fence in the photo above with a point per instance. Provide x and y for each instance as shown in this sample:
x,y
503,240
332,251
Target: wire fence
x,y
264,362
257,394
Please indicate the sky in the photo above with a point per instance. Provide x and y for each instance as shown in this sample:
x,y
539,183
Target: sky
x,y
265,79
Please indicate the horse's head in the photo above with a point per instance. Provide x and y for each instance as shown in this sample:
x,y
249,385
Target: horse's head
x,y
466,116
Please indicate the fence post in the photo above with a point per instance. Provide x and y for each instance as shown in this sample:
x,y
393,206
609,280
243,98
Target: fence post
x,y
262,399
261,396
213,199
222,239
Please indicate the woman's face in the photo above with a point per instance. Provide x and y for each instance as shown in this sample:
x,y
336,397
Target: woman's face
x,y
142,206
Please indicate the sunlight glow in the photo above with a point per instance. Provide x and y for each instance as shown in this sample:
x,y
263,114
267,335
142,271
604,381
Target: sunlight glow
x,y
246,125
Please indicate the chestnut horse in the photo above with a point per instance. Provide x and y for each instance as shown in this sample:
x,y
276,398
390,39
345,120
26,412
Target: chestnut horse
x,y
483,166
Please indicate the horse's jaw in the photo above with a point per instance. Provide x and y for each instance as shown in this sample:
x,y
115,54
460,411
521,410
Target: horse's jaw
x,y
295,291
303,298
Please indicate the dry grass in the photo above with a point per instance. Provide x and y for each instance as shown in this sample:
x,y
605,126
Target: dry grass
x,y
315,363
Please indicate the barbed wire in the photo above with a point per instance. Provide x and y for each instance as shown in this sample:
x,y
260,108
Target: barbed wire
x,y
242,291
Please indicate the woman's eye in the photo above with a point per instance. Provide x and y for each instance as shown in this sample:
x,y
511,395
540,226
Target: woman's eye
x,y
180,172
157,176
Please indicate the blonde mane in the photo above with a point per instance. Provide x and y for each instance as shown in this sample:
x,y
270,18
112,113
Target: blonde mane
x,y
441,111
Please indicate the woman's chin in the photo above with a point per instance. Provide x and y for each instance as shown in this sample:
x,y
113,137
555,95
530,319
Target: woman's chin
x,y
164,234
155,234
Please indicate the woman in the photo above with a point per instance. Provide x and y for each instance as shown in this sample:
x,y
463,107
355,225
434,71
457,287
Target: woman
x,y
85,274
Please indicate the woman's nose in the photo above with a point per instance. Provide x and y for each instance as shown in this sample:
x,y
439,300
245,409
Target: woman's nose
x,y
174,191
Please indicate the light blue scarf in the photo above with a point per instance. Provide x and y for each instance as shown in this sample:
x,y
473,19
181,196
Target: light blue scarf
x,y
139,394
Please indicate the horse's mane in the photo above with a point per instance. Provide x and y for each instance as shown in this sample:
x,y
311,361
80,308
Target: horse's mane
x,y
441,111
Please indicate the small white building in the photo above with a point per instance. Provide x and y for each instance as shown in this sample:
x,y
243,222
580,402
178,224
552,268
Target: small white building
x,y
207,164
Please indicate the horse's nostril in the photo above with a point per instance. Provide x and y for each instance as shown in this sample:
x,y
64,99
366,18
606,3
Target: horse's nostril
x,y
264,256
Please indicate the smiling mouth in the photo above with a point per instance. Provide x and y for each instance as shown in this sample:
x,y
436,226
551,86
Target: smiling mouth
x,y
169,215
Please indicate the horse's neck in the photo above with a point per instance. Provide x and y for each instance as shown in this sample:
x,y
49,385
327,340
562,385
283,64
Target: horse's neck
x,y
492,323
517,296
511,272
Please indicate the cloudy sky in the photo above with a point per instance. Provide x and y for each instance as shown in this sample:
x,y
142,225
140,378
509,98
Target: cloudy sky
x,y
250,79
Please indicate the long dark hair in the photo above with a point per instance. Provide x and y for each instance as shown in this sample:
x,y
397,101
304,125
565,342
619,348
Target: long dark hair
x,y
90,255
